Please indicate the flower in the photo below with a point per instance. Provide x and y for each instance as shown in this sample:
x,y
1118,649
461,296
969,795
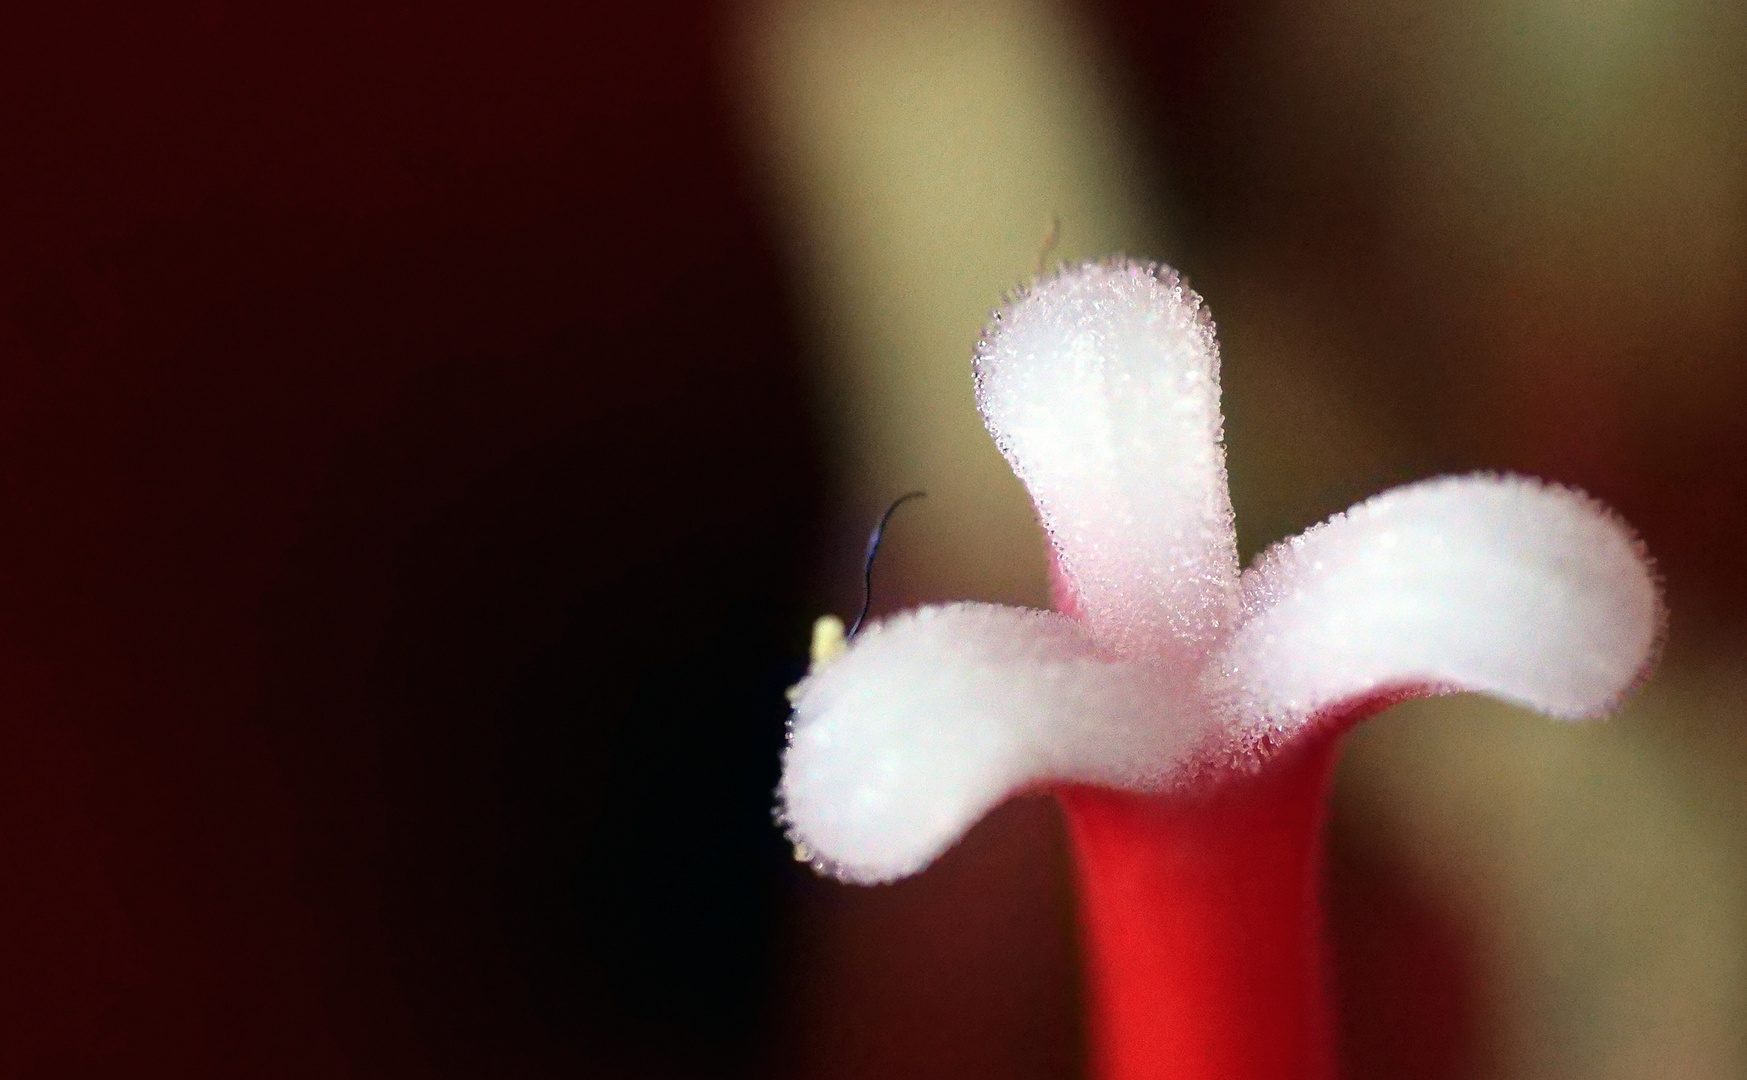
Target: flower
x,y
1187,716
1165,667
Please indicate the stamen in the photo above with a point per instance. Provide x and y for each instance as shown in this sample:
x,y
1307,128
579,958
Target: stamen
x,y
873,549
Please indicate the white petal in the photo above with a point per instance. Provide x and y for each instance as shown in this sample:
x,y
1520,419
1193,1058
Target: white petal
x,y
1533,593
931,718
1101,386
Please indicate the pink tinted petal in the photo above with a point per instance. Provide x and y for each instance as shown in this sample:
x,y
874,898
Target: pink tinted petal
x,y
1101,386
933,717
1530,592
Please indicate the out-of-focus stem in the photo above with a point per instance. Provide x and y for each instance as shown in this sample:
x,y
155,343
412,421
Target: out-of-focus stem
x,y
918,153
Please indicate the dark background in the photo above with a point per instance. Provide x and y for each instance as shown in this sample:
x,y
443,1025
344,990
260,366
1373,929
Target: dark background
x,y
406,491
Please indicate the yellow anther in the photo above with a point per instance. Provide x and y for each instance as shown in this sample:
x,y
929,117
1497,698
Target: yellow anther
x,y
829,641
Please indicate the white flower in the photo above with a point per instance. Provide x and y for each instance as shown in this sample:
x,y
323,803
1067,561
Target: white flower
x,y
1101,387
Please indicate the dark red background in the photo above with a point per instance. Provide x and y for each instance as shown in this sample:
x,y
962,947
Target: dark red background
x,y
405,489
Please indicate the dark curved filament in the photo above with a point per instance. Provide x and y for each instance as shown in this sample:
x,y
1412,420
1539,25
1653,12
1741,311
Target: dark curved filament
x,y
873,548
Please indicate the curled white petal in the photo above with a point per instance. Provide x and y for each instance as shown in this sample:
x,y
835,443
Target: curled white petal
x,y
1530,592
931,718
1101,387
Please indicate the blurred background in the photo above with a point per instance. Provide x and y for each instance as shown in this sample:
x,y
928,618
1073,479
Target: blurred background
x,y
428,434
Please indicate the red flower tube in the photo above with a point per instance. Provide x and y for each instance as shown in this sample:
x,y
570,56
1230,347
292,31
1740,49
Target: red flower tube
x,y
1188,716
1201,924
